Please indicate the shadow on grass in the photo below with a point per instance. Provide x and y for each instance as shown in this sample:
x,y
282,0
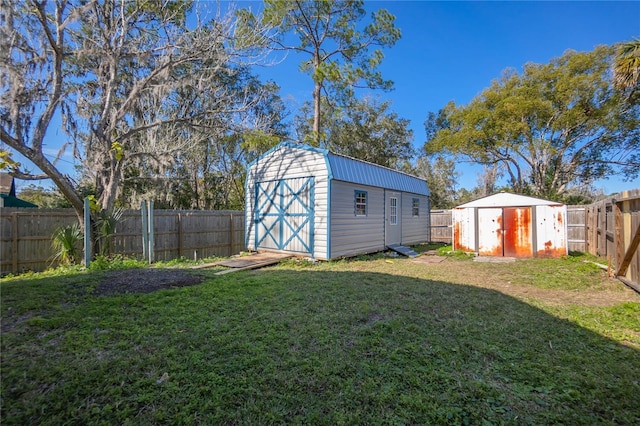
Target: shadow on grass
x,y
282,346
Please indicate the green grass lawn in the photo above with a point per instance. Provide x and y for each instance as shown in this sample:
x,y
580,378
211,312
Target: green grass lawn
x,y
364,341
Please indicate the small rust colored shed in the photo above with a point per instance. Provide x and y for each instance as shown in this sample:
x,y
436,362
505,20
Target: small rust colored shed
x,y
511,225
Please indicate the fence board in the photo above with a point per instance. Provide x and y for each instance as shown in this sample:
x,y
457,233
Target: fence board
x,y
26,237
611,226
441,226
25,242
577,228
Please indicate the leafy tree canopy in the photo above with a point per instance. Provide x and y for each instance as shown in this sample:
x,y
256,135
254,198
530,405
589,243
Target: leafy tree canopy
x,y
550,126
134,85
366,129
626,67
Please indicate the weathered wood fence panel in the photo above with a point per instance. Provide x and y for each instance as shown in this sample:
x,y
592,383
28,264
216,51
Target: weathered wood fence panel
x,y
613,231
576,228
441,226
25,242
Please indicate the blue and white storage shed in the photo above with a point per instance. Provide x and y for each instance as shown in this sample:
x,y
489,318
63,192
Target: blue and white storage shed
x,y
311,202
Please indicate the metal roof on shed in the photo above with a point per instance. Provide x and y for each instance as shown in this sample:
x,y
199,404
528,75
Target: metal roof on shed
x,y
505,199
348,169
357,171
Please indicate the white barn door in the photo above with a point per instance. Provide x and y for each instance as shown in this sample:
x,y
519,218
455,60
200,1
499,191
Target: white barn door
x,y
284,215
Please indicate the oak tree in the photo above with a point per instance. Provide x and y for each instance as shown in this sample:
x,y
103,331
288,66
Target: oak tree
x,y
549,127
366,129
116,73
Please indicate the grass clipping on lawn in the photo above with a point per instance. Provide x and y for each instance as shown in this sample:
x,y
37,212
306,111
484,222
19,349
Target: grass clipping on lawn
x,y
363,341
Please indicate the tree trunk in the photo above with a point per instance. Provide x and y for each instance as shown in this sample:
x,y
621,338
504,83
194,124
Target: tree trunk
x,y
316,112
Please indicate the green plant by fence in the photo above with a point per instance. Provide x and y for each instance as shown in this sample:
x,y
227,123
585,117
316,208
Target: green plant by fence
x,y
27,233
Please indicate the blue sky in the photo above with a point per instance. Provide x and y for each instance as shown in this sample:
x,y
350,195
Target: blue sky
x,y
452,50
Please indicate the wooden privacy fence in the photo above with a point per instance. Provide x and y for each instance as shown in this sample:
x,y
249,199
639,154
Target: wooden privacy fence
x,y
25,242
613,231
441,226
609,228
576,228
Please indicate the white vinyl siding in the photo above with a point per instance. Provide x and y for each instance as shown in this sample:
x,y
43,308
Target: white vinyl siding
x,y
351,234
286,163
415,229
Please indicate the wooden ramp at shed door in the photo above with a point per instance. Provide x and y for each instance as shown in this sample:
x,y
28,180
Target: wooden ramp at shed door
x,y
251,262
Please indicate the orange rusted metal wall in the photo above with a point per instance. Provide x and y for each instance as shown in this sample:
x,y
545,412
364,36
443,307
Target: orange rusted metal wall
x,y
517,232
464,230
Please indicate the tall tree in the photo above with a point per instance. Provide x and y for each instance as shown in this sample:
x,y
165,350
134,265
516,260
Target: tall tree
x,y
365,129
114,71
342,55
551,126
33,45
210,173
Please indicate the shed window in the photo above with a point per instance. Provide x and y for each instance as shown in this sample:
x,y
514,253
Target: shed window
x,y
361,203
415,207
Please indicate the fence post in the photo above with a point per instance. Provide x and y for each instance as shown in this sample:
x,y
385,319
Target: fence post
x,y
231,239
145,231
179,235
152,244
618,240
87,233
14,242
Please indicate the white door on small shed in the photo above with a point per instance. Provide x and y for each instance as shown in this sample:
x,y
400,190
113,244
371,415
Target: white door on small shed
x,y
284,212
393,219
490,231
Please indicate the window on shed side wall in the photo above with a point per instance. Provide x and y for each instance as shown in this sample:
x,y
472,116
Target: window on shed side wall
x,y
360,201
415,207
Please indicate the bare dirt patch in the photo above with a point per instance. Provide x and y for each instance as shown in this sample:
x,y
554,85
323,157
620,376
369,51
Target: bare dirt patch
x,y
145,281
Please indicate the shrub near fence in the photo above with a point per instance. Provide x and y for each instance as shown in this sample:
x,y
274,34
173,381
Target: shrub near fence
x,y
26,235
